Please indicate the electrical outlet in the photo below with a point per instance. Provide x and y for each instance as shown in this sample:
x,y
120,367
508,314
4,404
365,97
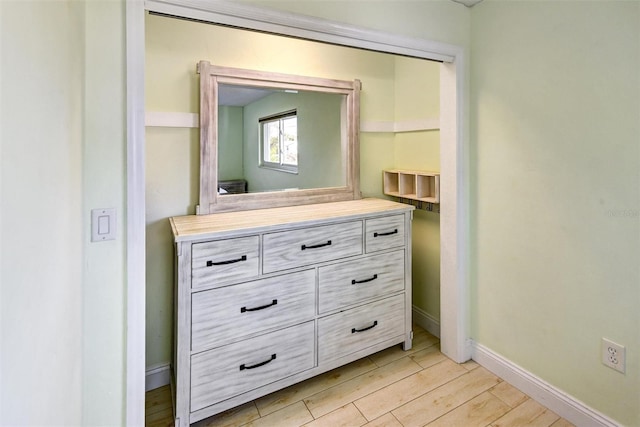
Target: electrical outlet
x,y
613,355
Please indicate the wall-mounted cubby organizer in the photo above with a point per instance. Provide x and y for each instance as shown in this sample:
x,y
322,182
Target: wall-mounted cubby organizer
x,y
414,185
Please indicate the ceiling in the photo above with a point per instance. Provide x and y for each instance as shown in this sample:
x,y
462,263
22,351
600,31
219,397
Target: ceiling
x,y
239,96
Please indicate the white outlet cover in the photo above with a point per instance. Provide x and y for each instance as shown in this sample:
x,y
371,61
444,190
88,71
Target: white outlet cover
x,y
614,355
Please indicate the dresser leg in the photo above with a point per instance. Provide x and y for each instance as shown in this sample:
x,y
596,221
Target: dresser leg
x,y
406,345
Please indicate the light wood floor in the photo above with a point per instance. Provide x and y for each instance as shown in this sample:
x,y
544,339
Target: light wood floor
x,y
390,388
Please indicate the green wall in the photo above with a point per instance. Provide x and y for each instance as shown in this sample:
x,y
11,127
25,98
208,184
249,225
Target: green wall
x,y
63,154
41,235
435,20
555,128
231,142
319,142
104,185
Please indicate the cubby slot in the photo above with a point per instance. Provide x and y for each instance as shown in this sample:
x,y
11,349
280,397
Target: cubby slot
x,y
391,184
416,185
407,185
428,188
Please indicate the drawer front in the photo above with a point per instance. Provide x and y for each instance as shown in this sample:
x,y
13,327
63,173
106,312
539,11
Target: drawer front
x,y
220,315
350,282
384,233
223,262
231,370
296,248
356,329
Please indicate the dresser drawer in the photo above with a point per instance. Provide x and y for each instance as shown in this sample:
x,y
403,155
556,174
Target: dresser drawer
x,y
223,262
228,371
219,315
384,233
296,248
350,282
356,329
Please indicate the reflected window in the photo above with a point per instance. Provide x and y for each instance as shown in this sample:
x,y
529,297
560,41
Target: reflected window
x,y
279,142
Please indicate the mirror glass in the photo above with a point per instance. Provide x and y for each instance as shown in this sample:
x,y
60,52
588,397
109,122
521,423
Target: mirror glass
x,y
272,139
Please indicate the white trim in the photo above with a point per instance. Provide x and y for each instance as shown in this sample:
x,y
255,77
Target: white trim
x,y
426,321
192,120
171,120
553,398
135,220
290,24
158,376
454,233
432,123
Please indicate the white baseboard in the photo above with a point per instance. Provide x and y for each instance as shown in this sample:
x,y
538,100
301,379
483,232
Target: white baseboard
x,y
157,376
427,321
558,401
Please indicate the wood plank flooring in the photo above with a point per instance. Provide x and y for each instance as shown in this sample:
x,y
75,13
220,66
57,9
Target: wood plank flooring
x,y
420,387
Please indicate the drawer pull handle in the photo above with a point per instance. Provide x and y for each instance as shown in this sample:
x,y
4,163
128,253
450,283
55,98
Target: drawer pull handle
x,y
354,330
386,234
316,246
257,365
231,261
375,276
262,307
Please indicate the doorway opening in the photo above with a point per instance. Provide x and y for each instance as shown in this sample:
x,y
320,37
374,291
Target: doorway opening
x,y
453,329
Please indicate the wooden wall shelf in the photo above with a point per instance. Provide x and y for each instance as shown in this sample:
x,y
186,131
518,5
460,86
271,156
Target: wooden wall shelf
x,y
414,185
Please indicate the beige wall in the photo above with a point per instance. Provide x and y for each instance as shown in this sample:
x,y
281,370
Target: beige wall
x,y
556,192
417,96
394,88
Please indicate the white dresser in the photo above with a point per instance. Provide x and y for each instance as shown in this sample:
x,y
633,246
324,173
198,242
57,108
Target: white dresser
x,y
267,298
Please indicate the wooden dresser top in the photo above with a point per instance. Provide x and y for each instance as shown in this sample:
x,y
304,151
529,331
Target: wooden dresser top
x,y
196,227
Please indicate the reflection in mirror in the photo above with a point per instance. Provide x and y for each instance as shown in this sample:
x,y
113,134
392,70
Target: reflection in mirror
x,y
270,139
309,156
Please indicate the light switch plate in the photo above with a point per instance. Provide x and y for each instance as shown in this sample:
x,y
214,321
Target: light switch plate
x,y
103,224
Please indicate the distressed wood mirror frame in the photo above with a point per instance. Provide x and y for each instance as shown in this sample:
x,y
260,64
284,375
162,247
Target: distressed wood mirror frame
x,y
210,201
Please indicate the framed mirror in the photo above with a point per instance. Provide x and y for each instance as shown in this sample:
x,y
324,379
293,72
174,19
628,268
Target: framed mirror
x,y
270,139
